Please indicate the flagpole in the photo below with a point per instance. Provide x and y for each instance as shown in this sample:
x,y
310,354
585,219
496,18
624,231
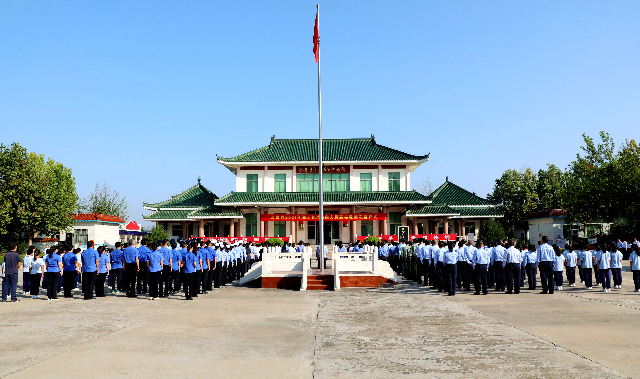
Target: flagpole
x,y
320,194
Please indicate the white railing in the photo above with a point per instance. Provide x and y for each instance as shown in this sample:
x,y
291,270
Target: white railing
x,y
353,263
306,266
279,262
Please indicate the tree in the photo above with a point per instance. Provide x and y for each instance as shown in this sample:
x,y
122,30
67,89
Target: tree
x,y
516,192
550,188
491,231
36,195
424,187
104,201
157,233
603,184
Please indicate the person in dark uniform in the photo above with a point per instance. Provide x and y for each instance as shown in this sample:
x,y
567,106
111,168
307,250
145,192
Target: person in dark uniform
x,y
155,267
143,273
103,269
131,268
165,277
70,267
117,268
90,264
188,267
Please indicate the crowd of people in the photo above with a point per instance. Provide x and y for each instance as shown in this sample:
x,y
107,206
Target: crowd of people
x,y
196,267
508,266
153,269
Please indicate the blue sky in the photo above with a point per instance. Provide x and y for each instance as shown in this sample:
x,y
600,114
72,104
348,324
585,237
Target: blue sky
x,y
143,95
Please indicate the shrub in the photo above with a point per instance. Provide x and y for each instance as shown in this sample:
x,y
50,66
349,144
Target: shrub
x,y
275,241
373,239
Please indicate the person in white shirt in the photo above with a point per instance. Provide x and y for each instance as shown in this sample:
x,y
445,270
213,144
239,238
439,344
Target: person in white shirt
x,y
26,270
36,274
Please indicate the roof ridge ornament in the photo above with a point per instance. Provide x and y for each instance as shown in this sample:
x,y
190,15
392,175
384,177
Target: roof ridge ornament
x,y
373,139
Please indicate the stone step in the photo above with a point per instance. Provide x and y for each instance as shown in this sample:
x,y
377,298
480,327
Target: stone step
x,y
319,287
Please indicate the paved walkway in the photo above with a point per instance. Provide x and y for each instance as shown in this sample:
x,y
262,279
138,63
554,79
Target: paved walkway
x,y
396,331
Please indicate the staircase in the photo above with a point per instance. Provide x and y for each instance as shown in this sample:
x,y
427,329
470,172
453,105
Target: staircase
x,y
319,282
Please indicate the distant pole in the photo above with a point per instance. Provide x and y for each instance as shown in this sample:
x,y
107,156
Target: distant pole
x,y
320,195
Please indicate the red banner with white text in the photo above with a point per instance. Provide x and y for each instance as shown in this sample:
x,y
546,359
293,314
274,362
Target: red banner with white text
x,y
428,237
344,217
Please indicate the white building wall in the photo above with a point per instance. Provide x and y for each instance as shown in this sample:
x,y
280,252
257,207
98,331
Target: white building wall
x,y
241,180
355,178
270,180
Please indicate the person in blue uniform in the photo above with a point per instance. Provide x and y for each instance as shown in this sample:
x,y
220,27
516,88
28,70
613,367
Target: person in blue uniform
x,y
512,259
188,266
324,255
131,268
175,268
165,277
104,262
546,257
155,266
203,255
450,260
531,266
70,268
143,268
90,264
498,265
439,259
117,268
585,261
195,288
616,266
462,266
211,256
480,264
471,256
53,264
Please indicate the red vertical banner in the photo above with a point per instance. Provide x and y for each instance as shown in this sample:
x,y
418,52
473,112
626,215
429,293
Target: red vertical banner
x,y
316,40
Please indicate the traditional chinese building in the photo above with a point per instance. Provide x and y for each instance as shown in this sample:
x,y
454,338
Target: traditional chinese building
x,y
366,192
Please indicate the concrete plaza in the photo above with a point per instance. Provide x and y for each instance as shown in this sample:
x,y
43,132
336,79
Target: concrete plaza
x,y
395,331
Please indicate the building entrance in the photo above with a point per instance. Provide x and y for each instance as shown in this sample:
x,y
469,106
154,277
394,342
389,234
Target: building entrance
x,y
331,230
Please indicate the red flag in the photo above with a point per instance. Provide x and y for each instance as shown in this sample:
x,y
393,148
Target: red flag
x,y
316,40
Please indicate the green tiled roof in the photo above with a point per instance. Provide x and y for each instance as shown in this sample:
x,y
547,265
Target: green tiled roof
x,y
168,215
306,150
195,197
432,210
380,197
216,212
470,212
452,195
213,212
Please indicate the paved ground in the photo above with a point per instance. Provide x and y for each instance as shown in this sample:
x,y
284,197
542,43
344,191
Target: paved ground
x,y
396,331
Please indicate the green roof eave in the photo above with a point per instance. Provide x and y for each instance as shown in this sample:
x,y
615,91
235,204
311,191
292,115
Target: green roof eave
x,y
330,198
191,215
192,198
432,211
455,196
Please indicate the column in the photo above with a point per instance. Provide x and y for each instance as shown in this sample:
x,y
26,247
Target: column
x,y
352,226
184,230
201,229
445,222
415,225
462,223
380,180
262,224
385,225
232,228
294,226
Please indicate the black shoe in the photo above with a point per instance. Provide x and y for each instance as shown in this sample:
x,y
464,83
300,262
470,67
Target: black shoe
x,y
509,293
484,293
476,293
543,292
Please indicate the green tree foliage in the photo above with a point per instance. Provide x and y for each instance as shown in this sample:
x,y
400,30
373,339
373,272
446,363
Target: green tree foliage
x,y
491,231
157,233
516,192
550,189
603,183
104,201
275,241
373,239
36,195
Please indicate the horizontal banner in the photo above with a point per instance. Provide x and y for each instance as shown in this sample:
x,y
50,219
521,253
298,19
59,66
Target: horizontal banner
x,y
327,217
428,237
241,239
325,169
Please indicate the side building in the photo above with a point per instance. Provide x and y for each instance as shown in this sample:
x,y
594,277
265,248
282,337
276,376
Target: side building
x,y
366,192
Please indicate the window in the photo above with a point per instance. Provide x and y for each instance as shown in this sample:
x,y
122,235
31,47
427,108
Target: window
x,y
252,182
335,182
80,236
307,182
394,181
469,227
280,184
365,182
177,230
252,224
366,228
394,222
279,228
440,228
